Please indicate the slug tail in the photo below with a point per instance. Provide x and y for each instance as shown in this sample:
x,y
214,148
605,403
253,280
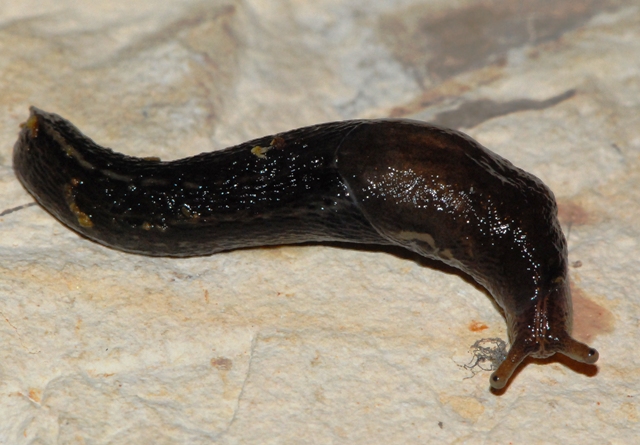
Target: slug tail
x,y
274,190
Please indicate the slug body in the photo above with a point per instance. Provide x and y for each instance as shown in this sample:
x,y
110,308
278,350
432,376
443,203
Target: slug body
x,y
429,189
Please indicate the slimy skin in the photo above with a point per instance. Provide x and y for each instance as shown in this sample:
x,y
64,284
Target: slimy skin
x,y
429,189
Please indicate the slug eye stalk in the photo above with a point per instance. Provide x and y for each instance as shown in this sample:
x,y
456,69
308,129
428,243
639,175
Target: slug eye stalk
x,y
521,349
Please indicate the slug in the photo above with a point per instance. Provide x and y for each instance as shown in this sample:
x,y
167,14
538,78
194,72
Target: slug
x,y
429,189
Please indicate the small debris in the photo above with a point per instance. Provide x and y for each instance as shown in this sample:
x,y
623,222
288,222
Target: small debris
x,y
488,353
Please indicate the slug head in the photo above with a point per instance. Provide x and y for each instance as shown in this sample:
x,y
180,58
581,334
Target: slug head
x,y
441,194
541,331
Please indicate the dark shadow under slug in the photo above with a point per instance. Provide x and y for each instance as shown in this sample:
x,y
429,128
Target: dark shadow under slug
x,y
428,189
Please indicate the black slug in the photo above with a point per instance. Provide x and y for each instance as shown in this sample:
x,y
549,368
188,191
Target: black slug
x,y
429,189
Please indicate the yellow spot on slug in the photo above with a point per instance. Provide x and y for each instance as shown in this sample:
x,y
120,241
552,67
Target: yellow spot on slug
x,y
446,253
152,159
277,142
147,226
260,151
32,125
83,219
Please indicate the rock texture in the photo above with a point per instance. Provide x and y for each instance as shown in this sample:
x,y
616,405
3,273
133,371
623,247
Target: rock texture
x,y
316,344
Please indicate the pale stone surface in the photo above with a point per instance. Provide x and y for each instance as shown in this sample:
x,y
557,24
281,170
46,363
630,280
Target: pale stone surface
x,y
315,344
